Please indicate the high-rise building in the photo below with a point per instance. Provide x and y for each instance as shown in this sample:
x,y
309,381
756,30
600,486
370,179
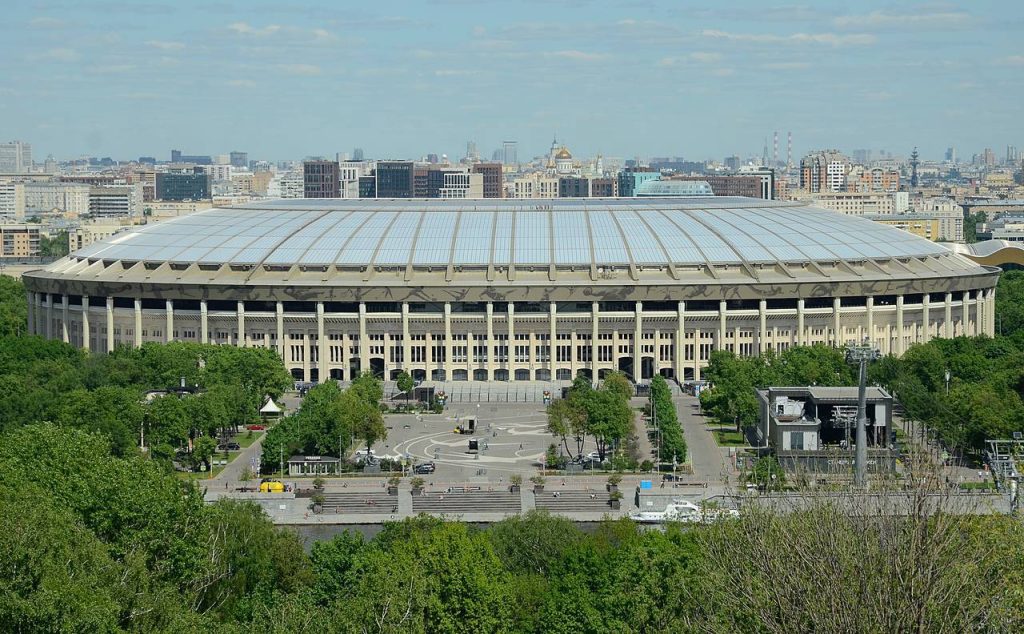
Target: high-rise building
x,y
510,150
12,202
184,185
951,154
492,179
631,177
1012,156
862,157
395,179
824,171
357,154
321,179
15,157
239,159
108,201
198,159
989,157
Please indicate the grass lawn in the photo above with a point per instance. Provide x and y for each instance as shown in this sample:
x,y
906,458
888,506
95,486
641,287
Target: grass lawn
x,y
730,438
199,475
244,440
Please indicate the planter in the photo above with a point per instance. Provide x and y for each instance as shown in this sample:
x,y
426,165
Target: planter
x,y
392,490
615,504
318,508
515,488
538,488
612,488
417,491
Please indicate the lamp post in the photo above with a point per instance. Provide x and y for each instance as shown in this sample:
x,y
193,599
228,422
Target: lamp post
x,y
861,354
947,382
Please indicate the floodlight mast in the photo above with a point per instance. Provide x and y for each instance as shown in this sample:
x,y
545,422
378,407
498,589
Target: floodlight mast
x,y
861,354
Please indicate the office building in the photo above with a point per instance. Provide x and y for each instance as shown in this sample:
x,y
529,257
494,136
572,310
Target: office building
x,y
510,153
183,185
462,185
239,159
197,159
456,290
12,201
110,201
824,171
19,241
15,157
753,185
493,181
70,199
631,177
394,179
321,179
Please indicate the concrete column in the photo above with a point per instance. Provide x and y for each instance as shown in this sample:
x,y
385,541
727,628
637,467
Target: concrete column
x,y
696,354
762,334
490,341
595,309
470,360
965,320
279,311
510,364
323,362
448,340
736,340
86,344
65,334
204,322
48,304
680,340
638,337
30,299
138,322
110,324
837,325
307,357
406,340
552,348
243,341
801,338
900,341
926,303
870,308
364,341
991,311
720,344
947,325
169,317
980,319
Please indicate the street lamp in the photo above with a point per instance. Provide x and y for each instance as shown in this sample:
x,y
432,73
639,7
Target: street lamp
x,y
861,354
947,382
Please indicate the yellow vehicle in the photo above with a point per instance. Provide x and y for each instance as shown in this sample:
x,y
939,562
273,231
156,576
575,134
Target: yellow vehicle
x,y
271,486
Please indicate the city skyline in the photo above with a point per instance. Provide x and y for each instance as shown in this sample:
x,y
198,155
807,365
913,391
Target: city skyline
x,y
124,80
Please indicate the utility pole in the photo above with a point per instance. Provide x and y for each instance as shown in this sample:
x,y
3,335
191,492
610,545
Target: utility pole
x,y
861,354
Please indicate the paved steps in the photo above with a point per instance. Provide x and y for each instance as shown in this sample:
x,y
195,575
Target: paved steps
x,y
371,503
569,502
461,502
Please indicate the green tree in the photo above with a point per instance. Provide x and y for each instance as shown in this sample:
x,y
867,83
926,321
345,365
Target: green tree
x,y
55,246
364,419
567,419
618,384
115,412
203,449
369,388
609,419
13,307
405,384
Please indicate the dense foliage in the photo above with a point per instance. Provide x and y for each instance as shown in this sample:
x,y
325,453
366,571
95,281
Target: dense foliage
x,y
95,542
602,414
328,421
673,445
13,307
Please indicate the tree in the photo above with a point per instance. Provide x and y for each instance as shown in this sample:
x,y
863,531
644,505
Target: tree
x,y
55,246
405,384
566,418
608,419
369,388
365,419
203,450
13,307
618,384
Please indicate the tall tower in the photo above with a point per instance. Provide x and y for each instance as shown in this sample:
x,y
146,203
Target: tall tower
x,y
789,151
775,149
914,162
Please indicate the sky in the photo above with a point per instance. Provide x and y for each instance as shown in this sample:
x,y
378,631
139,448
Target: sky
x,y
696,79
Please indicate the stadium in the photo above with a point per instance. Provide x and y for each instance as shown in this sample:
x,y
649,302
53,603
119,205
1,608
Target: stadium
x,y
512,290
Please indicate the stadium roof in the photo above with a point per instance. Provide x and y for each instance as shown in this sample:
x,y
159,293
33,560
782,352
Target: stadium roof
x,y
502,233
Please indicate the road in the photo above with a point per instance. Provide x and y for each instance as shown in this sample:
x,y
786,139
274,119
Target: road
x,y
709,460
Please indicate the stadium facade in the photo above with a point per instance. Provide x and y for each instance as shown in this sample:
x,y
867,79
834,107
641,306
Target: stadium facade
x,y
512,289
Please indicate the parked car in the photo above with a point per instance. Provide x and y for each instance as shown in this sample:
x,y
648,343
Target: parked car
x,y
229,446
425,468
256,427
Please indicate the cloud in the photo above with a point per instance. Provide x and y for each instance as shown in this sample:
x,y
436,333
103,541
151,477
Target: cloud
x,y
853,39
880,20
244,28
786,65
580,56
698,57
165,45
299,69
46,22
242,83
322,35
1013,60
111,69
455,72
58,55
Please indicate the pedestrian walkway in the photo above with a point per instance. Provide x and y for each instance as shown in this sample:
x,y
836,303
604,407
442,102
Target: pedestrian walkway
x,y
569,502
708,459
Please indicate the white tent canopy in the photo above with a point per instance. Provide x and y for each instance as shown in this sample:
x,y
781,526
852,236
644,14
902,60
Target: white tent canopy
x,y
270,408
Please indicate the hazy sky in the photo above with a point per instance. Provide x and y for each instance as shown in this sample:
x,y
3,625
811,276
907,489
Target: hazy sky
x,y
400,79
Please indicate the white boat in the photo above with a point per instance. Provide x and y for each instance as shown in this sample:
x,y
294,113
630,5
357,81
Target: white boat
x,y
683,511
